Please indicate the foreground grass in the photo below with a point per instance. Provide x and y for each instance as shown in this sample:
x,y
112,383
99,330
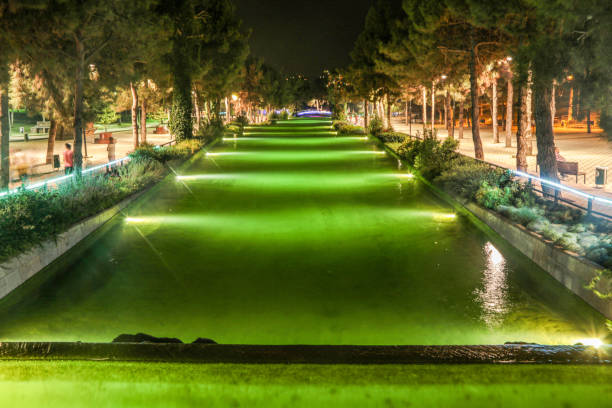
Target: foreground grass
x,y
106,384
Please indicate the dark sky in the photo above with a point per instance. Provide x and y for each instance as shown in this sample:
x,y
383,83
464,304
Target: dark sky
x,y
303,36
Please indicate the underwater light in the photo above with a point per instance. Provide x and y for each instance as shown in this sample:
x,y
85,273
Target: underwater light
x,y
134,220
201,177
593,342
445,216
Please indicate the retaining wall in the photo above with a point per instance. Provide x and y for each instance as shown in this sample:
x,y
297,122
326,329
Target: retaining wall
x,y
573,271
20,268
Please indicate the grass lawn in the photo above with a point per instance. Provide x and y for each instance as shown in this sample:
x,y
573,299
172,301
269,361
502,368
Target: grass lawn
x,y
108,384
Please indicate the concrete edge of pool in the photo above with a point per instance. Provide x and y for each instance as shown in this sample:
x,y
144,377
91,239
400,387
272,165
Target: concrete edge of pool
x,y
305,354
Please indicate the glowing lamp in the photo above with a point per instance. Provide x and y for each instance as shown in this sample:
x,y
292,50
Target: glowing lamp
x,y
592,342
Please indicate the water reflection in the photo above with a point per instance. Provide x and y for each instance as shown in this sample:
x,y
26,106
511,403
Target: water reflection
x,y
493,296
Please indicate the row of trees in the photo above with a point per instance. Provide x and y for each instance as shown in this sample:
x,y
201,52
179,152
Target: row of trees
x,y
78,60
463,49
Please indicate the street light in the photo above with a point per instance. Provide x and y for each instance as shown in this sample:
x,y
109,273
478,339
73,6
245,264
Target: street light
x,y
234,97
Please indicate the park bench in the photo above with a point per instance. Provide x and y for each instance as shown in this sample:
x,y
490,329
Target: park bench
x,y
570,168
41,127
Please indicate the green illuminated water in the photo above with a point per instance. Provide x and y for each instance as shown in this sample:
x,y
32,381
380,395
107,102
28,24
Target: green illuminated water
x,y
292,234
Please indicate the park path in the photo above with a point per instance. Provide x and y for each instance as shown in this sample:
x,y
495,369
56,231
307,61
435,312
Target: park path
x,y
34,152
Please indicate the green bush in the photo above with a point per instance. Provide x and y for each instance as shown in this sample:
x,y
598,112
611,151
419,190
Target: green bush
x,y
242,121
605,122
338,112
393,137
28,218
375,127
181,150
431,157
284,115
465,177
344,128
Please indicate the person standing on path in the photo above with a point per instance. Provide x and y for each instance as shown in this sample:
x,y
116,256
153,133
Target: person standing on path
x,y
68,159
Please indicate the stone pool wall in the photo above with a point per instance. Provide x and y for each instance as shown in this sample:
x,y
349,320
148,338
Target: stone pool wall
x,y
573,271
20,268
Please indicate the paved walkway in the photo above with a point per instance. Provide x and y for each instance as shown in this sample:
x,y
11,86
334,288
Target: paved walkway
x,y
589,150
34,152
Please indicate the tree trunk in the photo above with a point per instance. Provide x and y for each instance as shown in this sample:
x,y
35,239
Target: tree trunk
x,y
366,115
588,117
433,108
451,130
571,106
181,124
521,139
446,111
528,129
227,111
494,111
78,109
478,150
134,92
198,113
5,130
410,118
51,140
143,121
461,120
389,126
509,113
544,132
553,104
406,116
424,109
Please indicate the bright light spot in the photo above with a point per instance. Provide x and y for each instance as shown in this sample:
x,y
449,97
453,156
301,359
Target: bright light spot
x,y
593,342
211,154
234,97
202,177
133,220
495,257
445,216
408,176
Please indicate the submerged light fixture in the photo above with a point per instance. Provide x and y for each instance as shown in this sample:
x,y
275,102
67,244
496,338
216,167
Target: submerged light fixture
x,y
592,342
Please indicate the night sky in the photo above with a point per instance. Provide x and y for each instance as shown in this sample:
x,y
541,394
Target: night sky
x,y
303,36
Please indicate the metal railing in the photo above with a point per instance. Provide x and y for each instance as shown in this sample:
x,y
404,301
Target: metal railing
x,y
88,171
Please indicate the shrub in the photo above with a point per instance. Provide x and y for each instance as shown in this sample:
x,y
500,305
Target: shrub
x,y
431,157
181,150
28,218
273,116
338,112
605,122
242,121
284,115
375,127
522,215
344,128
393,137
466,176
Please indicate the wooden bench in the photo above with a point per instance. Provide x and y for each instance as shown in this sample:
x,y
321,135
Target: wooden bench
x,y
570,168
41,127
